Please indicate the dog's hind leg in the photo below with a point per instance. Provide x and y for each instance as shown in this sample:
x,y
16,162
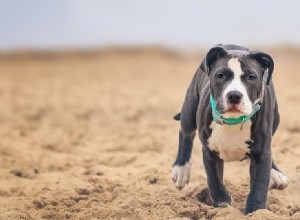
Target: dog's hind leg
x,y
182,166
277,179
214,167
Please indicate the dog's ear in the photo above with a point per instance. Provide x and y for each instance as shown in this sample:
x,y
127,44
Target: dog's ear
x,y
215,53
265,62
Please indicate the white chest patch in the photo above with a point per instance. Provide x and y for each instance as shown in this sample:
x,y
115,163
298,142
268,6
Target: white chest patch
x,y
229,141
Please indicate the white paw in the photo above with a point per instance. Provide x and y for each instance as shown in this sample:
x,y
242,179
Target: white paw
x,y
181,175
278,180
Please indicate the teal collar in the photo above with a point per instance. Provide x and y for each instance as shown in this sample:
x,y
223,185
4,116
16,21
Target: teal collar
x,y
218,118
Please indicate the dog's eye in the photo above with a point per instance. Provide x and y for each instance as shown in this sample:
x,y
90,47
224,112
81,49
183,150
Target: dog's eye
x,y
252,77
220,75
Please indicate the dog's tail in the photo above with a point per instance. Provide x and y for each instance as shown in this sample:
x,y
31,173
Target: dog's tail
x,y
177,116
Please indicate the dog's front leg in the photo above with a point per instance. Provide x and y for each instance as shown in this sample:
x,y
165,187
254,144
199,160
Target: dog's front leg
x,y
181,170
260,168
182,167
214,167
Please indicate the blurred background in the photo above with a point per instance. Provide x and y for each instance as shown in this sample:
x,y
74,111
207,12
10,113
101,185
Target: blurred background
x,y
88,90
191,24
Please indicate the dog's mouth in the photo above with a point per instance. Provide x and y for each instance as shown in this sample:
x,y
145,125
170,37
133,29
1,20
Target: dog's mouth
x,y
230,110
233,111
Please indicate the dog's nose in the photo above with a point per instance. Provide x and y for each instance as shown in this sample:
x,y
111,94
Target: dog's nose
x,y
234,97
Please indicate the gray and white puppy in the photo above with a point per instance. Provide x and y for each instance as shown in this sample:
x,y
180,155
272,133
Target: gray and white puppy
x,y
237,79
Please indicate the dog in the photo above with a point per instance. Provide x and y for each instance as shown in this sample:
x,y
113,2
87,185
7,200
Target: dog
x,y
231,102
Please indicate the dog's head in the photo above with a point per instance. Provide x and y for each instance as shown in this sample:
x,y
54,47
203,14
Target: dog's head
x,y
236,78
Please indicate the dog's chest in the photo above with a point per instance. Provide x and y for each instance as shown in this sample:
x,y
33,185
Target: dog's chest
x,y
230,141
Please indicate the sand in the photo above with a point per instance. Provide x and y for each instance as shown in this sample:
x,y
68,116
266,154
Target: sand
x,y
91,136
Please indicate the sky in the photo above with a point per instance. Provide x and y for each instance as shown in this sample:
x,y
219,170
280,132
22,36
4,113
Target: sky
x,y
55,24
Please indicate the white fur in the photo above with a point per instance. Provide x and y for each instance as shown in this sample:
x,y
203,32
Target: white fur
x,y
237,85
278,180
181,175
229,140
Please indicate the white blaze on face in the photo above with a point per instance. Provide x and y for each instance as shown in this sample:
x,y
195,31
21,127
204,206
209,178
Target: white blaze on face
x,y
236,84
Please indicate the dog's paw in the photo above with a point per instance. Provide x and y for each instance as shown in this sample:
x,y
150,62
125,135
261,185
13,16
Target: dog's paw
x,y
278,180
181,175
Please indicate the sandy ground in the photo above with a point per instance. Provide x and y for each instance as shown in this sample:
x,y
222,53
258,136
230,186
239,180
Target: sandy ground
x,y
92,137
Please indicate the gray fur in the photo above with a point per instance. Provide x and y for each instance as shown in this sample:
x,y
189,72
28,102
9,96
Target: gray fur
x,y
196,116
